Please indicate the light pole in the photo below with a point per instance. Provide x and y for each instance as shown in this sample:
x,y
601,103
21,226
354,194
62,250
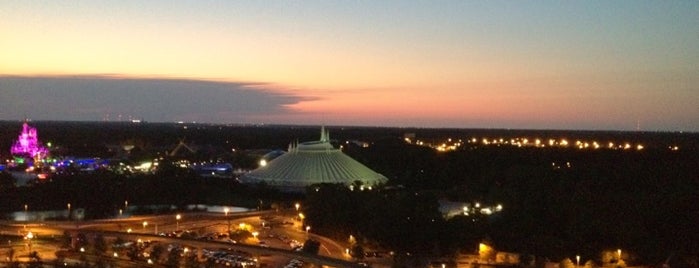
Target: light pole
x,y
29,240
68,211
145,223
577,261
228,220
297,205
308,228
177,218
26,214
618,251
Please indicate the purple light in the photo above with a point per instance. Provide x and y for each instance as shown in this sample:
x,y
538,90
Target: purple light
x,y
28,144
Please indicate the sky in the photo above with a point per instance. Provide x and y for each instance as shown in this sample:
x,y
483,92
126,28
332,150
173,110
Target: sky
x,y
597,65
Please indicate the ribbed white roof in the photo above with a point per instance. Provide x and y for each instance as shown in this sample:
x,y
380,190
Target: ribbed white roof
x,y
311,163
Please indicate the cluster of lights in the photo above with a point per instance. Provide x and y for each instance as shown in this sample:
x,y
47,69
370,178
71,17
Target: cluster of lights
x,y
539,143
361,187
477,208
449,145
454,144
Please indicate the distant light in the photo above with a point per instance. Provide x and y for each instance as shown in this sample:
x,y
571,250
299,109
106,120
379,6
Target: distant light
x,y
263,163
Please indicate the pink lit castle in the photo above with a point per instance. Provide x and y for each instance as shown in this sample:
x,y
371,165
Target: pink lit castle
x,y
28,145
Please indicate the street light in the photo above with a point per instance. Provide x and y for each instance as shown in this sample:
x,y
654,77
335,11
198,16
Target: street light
x,y
29,239
68,211
228,220
145,223
577,260
618,251
177,218
308,227
297,205
254,234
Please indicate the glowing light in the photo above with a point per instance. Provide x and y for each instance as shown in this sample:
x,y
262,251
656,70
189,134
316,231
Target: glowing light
x,y
263,163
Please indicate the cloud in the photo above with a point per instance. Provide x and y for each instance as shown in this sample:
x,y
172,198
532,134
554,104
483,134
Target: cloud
x,y
151,99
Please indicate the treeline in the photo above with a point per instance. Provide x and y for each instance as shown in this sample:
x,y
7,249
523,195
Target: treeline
x,y
102,193
557,202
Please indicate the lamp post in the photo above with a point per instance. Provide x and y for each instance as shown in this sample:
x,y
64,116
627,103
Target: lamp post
x,y
29,240
145,223
618,251
297,205
26,214
228,220
577,261
68,211
177,218
255,234
308,228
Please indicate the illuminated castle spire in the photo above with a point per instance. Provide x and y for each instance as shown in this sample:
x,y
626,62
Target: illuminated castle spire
x,y
28,144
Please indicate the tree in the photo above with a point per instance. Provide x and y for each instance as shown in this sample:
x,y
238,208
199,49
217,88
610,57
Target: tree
x,y
311,246
358,252
80,241
100,245
35,260
567,263
132,252
157,252
174,258
66,240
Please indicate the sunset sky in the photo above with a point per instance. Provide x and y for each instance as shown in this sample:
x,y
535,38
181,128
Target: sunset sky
x,y
608,65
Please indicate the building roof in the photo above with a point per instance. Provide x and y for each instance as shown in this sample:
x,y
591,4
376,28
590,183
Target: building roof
x,y
313,162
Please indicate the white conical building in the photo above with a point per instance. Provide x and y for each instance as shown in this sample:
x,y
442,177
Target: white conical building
x,y
310,163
